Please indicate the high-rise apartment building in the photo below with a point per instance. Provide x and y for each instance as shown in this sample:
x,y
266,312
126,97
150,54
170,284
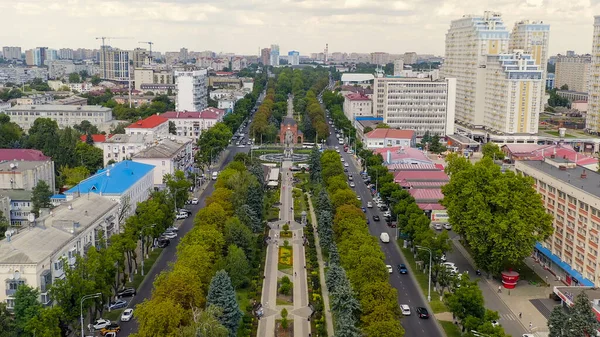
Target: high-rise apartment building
x,y
410,58
592,119
114,64
192,91
532,37
398,67
11,53
380,58
36,56
293,58
573,71
419,104
265,56
183,55
139,57
514,86
274,59
151,76
65,54
468,42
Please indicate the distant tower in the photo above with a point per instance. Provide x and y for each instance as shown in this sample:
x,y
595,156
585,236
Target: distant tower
x,y
326,52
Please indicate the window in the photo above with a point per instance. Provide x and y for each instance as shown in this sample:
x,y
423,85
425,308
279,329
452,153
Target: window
x,y
584,206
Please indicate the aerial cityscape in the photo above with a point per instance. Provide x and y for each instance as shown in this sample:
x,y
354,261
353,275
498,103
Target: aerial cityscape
x,y
300,180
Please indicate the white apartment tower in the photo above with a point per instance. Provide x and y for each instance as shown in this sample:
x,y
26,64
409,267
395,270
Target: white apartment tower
x,y
514,86
468,42
532,37
592,119
191,90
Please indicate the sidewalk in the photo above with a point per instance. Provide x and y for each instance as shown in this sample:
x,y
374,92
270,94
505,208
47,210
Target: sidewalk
x,y
520,301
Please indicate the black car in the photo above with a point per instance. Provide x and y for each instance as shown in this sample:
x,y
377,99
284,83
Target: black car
x,y
376,217
162,243
422,312
126,292
402,269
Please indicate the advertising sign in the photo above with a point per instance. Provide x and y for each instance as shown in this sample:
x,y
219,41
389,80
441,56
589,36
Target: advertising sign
x,y
439,216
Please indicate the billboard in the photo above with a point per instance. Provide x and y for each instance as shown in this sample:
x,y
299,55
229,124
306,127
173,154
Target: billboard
x,y
439,216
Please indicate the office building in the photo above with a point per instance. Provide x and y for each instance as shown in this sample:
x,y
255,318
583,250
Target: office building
x,y
293,58
419,104
380,138
573,71
151,76
191,124
468,42
410,58
167,157
571,195
265,56
11,53
192,91
114,64
380,58
274,58
38,256
64,115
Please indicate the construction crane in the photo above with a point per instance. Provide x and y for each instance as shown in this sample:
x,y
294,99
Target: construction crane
x,y
150,43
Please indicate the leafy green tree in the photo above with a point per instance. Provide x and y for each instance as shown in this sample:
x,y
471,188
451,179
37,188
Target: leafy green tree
x,y
96,80
237,234
65,155
43,136
211,143
3,225
467,300
582,320
206,323
492,150
74,78
86,127
160,318
27,306
40,197
222,294
119,129
382,126
48,323
558,323
178,186
436,146
504,216
284,319
10,133
8,327
72,176
89,156
237,266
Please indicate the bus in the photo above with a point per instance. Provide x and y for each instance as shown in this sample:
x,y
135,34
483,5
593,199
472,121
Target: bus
x,y
308,145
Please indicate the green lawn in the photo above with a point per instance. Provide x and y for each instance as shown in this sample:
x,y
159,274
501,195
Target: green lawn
x,y
423,279
555,133
450,329
148,263
299,204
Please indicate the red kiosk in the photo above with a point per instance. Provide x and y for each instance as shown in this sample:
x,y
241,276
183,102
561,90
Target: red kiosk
x,y
510,279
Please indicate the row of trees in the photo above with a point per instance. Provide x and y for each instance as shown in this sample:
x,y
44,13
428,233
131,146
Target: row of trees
x,y
219,255
263,125
357,277
244,106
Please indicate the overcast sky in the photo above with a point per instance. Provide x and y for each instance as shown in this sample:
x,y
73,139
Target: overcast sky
x,y
242,26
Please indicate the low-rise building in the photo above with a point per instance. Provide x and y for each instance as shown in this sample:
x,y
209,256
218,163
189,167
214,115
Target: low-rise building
x,y
152,76
22,154
167,157
516,152
121,147
225,82
380,138
64,115
16,205
191,124
357,105
98,139
4,106
34,99
363,80
362,123
402,155
127,183
25,175
36,257
155,126
71,100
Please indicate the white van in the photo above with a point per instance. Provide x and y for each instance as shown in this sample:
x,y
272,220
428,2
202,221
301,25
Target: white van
x,y
215,174
384,237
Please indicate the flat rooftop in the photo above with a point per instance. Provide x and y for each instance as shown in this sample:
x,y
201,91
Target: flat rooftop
x,y
65,108
9,166
571,292
570,176
165,149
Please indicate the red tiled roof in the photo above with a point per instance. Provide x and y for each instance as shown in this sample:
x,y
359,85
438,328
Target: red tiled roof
x,y
412,167
426,194
96,138
431,207
399,155
357,97
148,123
222,73
208,113
390,133
422,184
538,152
401,176
22,154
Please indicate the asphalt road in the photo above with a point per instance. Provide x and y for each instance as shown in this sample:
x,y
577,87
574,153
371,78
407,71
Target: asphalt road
x,y
408,291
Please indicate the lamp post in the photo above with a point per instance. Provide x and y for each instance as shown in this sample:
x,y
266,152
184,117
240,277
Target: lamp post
x,y
142,239
430,258
86,297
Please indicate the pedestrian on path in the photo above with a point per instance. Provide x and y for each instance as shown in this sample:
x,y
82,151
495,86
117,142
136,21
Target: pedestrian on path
x,y
499,289
520,315
530,326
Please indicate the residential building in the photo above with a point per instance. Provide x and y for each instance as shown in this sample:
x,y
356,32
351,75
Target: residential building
x,y
36,257
191,124
224,93
592,118
121,147
239,63
35,99
65,54
151,76
158,89
360,123
25,175
155,126
183,54
247,84
167,157
532,37
22,155
382,138
139,57
225,82
127,183
380,58
72,100
293,58
274,57
550,81
573,71
398,67
191,90
4,106
517,152
83,87
357,105
571,195
98,139
573,95
36,56
410,58
22,75
419,104
16,206
513,94
114,64
11,53
265,56
64,115
402,155
60,69
468,42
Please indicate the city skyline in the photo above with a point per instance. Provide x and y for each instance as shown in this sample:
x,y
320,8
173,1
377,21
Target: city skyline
x,y
306,26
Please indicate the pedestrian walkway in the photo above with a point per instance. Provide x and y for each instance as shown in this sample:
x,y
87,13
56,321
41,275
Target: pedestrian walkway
x,y
299,312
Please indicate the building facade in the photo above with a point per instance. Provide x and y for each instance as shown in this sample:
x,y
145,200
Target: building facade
x,y
265,56
573,71
592,119
114,64
11,53
380,58
155,127
380,138
192,90
191,124
293,58
121,147
418,104
532,37
274,57
167,157
25,175
410,58
357,105
514,85
36,56
150,76
64,115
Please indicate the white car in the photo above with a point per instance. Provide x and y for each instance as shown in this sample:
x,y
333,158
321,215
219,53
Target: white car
x,y
437,226
387,213
384,237
169,235
405,309
343,160
443,258
99,324
447,226
352,184
346,165
195,201
369,204
358,197
126,315
181,216
495,323
389,268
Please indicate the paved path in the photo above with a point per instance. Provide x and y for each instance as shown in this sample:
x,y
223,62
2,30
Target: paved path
x,y
299,312
324,291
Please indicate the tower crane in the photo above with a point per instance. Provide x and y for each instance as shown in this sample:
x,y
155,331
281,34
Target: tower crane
x,y
103,38
150,43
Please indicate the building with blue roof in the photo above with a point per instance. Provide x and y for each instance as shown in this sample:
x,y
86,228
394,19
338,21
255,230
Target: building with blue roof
x,y
126,182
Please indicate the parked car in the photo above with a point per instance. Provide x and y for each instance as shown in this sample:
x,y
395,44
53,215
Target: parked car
x,y
389,268
376,217
172,229
169,235
405,309
495,323
352,184
345,164
447,226
369,204
443,258
126,315
422,312
437,226
126,292
112,327
402,269
163,242
118,304
181,216
185,210
358,197
98,324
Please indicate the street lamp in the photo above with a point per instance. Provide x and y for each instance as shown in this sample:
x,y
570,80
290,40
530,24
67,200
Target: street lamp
x,y
142,239
174,191
430,259
86,297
